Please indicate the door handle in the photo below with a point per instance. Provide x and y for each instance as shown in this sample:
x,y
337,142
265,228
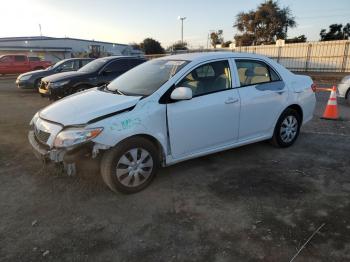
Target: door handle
x,y
231,100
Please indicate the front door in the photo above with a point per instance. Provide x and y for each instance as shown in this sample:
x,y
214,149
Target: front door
x,y
210,119
263,96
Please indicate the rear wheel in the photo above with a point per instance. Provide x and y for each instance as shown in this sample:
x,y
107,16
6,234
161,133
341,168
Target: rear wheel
x,y
287,128
130,166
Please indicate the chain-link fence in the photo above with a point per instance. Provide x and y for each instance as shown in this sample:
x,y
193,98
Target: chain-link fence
x,y
330,56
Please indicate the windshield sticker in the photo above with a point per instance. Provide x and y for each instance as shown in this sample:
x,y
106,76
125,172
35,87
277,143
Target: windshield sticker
x,y
126,124
174,63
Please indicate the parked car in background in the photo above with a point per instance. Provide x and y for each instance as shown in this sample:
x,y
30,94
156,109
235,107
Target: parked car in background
x,y
99,72
173,109
32,79
344,88
14,64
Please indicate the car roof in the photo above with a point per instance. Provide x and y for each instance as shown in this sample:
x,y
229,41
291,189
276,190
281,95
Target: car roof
x,y
108,58
202,56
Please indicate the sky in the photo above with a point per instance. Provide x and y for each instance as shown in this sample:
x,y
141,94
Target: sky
x,y
128,21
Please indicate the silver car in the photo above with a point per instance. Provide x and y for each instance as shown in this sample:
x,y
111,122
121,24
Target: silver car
x,y
344,88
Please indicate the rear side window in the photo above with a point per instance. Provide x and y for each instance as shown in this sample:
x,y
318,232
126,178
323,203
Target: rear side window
x,y
20,58
118,66
34,58
85,62
135,62
255,72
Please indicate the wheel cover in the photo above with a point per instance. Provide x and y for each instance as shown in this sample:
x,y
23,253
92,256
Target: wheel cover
x,y
289,129
134,167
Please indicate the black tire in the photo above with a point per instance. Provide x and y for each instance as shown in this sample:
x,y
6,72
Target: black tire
x,y
37,84
277,139
112,157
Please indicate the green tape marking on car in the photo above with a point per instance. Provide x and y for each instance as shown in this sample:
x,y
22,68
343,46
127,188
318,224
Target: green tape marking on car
x,y
126,124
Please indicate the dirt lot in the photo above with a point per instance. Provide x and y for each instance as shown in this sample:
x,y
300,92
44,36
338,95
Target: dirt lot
x,y
255,203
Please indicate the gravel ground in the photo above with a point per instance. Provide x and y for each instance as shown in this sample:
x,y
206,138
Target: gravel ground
x,y
254,203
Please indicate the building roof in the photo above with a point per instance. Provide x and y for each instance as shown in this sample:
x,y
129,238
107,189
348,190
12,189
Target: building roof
x,y
36,48
43,38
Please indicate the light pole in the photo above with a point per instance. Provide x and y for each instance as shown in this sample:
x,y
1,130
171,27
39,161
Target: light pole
x,y
182,28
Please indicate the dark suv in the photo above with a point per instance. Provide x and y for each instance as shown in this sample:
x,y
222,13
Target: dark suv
x,y
32,79
97,73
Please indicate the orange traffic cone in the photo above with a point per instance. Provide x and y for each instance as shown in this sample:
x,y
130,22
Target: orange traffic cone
x,y
331,111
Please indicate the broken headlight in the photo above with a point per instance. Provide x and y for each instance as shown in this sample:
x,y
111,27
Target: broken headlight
x,y
74,136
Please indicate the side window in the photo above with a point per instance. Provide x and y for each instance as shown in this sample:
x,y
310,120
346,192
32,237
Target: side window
x,y
34,59
135,62
5,59
68,66
274,76
254,72
208,78
76,65
118,66
205,71
85,62
20,58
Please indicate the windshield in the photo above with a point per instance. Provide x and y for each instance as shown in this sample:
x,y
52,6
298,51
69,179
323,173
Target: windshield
x,y
56,65
146,78
93,66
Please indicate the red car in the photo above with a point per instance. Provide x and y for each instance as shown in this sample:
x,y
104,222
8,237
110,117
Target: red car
x,y
14,64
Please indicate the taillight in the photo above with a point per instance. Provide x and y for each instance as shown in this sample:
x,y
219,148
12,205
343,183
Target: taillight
x,y
313,87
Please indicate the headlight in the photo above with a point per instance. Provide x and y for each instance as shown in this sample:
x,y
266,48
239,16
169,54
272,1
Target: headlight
x,y
75,136
26,77
58,84
35,117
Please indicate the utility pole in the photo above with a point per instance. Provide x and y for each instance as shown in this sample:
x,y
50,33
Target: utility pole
x,y
182,28
40,30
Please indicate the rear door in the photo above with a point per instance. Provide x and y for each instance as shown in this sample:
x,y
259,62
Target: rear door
x,y
210,119
263,96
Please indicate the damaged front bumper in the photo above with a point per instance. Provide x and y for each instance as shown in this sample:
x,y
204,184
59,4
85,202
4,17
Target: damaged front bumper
x,y
67,156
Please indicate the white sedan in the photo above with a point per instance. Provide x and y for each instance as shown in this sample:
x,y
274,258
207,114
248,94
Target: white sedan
x,y
173,109
344,88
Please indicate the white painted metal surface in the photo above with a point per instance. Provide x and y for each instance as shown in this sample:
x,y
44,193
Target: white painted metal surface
x,y
189,128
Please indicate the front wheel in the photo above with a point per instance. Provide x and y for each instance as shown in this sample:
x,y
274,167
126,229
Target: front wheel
x,y
130,166
287,129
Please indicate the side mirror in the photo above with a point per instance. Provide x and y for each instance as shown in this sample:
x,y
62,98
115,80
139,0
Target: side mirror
x,y
181,93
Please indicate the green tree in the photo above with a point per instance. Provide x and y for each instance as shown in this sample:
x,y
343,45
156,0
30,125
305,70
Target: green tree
x,y
179,46
264,25
336,32
226,44
151,46
216,38
298,39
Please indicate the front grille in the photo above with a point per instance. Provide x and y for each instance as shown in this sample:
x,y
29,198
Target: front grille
x,y
41,136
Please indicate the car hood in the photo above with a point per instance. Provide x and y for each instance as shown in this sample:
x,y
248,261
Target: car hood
x,y
63,76
35,72
86,106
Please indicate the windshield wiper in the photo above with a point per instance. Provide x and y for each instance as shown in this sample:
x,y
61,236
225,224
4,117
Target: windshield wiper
x,y
106,89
